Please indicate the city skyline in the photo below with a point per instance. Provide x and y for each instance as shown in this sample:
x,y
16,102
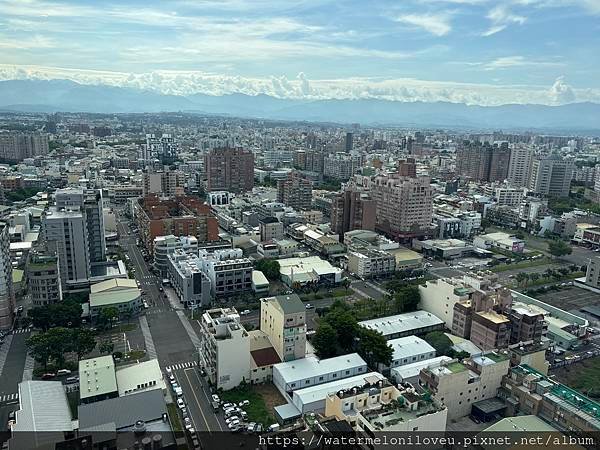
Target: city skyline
x,y
466,51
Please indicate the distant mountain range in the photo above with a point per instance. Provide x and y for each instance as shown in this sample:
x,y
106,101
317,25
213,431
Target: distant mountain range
x,y
69,96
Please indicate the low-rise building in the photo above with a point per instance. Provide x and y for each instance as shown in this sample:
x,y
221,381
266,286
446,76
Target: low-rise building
x,y
119,293
313,398
415,323
369,263
460,384
142,376
382,407
167,245
308,270
409,373
97,379
503,241
260,284
311,371
188,279
224,348
490,330
408,350
527,391
444,249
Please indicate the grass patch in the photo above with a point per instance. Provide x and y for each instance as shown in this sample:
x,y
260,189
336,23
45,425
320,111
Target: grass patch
x,y
257,409
521,265
135,354
174,417
582,376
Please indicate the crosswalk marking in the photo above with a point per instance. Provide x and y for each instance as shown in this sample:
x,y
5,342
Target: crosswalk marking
x,y
9,397
183,365
20,330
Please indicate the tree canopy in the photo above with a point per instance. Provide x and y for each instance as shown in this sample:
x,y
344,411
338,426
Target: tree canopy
x,y
559,248
64,314
269,267
54,344
339,334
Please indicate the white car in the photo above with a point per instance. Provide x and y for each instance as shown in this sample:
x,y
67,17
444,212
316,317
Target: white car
x,y
215,398
245,312
234,424
169,370
231,419
180,403
172,378
244,403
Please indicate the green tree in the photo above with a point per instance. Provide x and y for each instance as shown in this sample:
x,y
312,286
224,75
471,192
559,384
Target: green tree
x,y
534,277
373,347
65,314
59,343
83,341
406,299
269,267
346,283
559,248
522,278
439,341
345,326
108,315
38,346
325,341
106,347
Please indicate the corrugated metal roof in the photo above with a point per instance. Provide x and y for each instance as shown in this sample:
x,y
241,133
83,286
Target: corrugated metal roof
x,y
44,407
123,411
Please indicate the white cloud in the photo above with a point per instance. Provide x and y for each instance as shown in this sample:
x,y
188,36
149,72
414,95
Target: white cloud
x,y
401,89
506,62
561,92
436,24
501,17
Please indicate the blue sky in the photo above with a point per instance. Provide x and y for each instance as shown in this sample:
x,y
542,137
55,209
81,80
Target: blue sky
x,y
476,51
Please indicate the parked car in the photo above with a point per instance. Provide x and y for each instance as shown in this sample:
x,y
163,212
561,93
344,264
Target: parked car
x,y
180,403
245,312
308,306
231,419
244,403
216,398
64,372
227,405
72,380
250,427
48,376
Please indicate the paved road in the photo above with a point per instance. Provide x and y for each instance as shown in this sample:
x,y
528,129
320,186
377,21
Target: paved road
x,y
169,336
15,351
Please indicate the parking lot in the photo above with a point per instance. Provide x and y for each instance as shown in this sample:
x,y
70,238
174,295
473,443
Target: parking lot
x,y
570,299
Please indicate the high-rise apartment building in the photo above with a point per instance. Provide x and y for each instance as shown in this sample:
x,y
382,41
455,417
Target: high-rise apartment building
x,y
348,142
352,209
283,320
180,216
66,229
551,176
162,148
43,278
230,169
7,298
341,166
295,191
404,205
90,203
519,167
407,168
18,146
168,183
483,162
